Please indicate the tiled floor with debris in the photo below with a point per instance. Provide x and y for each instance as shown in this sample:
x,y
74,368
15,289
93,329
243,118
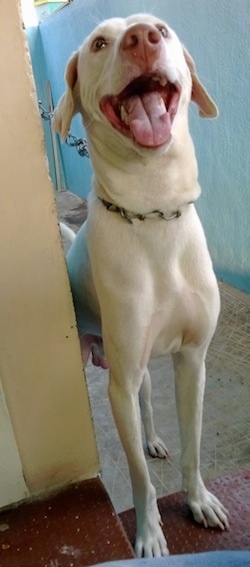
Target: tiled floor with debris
x,y
226,423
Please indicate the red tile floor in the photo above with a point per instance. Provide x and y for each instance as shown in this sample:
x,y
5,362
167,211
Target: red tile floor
x,y
79,526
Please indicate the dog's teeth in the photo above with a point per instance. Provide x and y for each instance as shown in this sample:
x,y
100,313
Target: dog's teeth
x,y
159,79
124,115
162,105
156,79
163,81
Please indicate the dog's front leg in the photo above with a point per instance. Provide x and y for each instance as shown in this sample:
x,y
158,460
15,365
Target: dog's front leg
x,y
155,445
123,393
190,382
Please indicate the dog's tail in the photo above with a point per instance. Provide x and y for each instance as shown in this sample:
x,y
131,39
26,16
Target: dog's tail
x,y
67,233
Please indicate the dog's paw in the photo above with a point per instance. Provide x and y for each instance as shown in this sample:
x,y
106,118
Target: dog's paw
x,y
208,510
151,542
156,448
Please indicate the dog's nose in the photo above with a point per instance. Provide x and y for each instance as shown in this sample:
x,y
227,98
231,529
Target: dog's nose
x,y
141,42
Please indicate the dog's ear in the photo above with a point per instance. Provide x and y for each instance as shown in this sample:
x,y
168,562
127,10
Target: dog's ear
x,y
67,106
207,107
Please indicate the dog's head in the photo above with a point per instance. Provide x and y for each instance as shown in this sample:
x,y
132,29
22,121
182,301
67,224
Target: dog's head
x,y
134,76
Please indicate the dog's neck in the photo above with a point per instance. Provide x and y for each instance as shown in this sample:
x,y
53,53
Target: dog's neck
x,y
143,182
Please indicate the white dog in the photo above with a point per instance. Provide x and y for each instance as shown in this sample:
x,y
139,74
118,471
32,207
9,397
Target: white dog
x,y
139,267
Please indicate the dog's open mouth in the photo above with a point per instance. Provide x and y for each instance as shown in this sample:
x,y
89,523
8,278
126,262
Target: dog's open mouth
x,y
145,109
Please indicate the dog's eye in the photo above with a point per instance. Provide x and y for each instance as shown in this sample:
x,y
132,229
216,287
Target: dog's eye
x,y
163,30
99,43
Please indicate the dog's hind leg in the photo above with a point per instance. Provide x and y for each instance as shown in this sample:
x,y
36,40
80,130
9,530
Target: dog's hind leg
x,y
190,383
155,445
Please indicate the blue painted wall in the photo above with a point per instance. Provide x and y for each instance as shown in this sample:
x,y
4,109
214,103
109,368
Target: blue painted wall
x,y
41,76
217,35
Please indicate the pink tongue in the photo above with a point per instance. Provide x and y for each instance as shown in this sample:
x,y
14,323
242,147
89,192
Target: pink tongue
x,y
148,119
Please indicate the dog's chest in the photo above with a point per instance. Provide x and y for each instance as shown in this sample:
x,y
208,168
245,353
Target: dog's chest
x,y
158,277
180,319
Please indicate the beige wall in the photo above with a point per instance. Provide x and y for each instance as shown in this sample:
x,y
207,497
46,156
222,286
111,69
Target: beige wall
x,y
40,363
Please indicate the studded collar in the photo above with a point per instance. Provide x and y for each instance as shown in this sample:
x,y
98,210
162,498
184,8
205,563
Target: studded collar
x,y
130,215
